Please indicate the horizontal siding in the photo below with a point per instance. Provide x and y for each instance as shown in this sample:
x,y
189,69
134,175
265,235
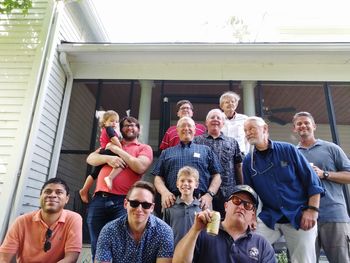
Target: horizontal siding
x,y
21,49
70,30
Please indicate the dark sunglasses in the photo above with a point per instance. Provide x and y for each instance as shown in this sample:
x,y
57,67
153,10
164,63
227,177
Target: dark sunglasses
x,y
135,204
47,245
246,204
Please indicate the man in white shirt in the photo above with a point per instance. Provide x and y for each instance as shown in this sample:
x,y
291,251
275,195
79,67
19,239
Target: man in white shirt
x,y
234,122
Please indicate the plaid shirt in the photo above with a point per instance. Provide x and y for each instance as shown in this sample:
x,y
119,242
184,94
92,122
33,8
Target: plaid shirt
x,y
198,156
229,154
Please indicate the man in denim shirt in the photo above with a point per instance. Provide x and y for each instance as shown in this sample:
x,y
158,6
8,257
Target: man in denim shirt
x,y
289,189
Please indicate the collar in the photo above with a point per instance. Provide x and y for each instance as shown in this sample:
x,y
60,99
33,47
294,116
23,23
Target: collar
x,y
248,232
61,219
195,202
233,116
270,146
151,222
184,145
127,143
207,135
317,143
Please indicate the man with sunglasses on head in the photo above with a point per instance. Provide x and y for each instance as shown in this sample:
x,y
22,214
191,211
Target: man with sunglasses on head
x,y
50,234
235,241
135,158
139,236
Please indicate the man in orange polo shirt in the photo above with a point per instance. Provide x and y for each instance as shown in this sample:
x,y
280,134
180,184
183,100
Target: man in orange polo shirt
x,y
50,234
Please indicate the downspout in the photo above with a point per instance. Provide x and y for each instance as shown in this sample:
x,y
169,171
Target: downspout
x,y
63,115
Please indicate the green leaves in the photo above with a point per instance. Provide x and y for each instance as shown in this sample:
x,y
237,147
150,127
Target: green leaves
x,y
7,6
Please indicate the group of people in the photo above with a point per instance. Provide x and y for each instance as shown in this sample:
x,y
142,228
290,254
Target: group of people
x,y
226,166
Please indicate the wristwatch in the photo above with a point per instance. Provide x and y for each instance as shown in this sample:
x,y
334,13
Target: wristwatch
x,y
325,175
211,193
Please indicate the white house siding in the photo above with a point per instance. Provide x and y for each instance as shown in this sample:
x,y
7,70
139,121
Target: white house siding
x,y
22,50
32,88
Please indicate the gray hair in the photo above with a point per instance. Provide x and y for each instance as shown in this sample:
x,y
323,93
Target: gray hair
x,y
229,94
259,121
221,114
189,119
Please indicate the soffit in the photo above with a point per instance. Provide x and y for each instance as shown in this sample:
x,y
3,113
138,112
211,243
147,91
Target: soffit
x,y
318,62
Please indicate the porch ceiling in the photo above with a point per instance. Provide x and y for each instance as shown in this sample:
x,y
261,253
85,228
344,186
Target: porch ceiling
x,y
279,62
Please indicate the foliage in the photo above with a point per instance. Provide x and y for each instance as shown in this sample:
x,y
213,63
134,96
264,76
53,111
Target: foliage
x,y
240,29
282,257
7,6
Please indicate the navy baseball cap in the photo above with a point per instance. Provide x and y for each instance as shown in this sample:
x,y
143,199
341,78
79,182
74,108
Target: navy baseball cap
x,y
247,189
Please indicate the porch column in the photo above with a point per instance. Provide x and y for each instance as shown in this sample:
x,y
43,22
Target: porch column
x,y
145,108
248,97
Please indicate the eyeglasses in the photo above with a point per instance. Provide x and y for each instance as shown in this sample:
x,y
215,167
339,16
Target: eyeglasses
x,y
238,201
132,125
135,204
47,245
185,108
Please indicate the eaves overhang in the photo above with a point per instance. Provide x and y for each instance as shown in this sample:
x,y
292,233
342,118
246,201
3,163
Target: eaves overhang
x,y
210,61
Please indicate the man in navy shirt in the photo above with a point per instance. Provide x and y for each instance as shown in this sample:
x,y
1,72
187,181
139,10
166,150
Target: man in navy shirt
x,y
188,153
137,237
235,241
289,190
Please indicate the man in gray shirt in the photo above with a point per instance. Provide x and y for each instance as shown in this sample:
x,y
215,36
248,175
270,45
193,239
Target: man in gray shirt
x,y
333,167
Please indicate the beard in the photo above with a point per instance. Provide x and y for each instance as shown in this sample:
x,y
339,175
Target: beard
x,y
253,141
130,136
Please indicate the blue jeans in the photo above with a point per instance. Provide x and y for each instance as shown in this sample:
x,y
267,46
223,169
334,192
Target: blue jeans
x,y
101,210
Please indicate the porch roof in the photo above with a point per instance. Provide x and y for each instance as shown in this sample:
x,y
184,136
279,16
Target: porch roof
x,y
210,61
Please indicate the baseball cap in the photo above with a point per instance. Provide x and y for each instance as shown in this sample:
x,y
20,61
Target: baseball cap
x,y
247,189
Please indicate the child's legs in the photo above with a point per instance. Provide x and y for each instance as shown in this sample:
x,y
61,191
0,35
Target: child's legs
x,y
88,183
115,172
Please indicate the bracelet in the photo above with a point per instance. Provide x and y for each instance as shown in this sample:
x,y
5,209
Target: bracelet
x,y
312,208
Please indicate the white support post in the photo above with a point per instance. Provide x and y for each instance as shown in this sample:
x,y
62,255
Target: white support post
x,y
145,108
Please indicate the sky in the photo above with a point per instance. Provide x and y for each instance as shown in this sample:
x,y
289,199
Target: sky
x,y
209,20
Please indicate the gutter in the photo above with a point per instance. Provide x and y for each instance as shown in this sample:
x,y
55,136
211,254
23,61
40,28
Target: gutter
x,y
63,115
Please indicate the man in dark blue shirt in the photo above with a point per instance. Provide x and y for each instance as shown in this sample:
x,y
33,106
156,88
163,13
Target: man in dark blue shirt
x,y
235,241
229,154
188,153
289,190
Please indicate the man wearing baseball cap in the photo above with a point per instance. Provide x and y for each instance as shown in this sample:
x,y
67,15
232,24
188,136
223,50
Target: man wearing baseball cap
x,y
235,241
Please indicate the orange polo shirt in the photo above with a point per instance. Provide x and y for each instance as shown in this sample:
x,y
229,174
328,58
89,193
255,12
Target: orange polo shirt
x,y
26,237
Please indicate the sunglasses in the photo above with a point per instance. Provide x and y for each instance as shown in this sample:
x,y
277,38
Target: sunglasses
x,y
135,204
47,244
246,204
